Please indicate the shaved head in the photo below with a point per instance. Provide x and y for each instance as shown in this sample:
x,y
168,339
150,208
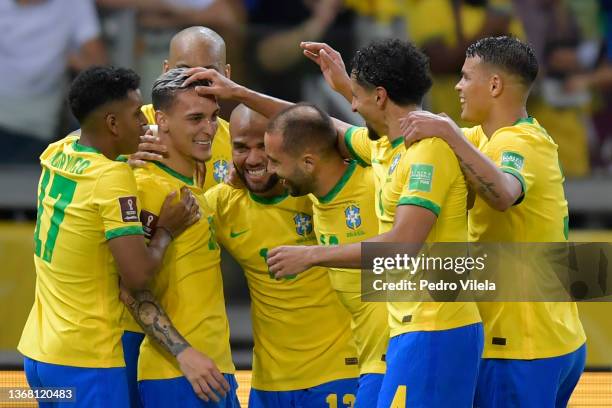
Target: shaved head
x,y
197,47
246,121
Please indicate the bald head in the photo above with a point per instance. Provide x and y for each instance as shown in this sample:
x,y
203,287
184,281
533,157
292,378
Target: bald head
x,y
245,121
304,128
197,47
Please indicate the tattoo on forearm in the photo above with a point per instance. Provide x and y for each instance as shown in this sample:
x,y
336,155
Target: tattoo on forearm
x,y
154,321
485,188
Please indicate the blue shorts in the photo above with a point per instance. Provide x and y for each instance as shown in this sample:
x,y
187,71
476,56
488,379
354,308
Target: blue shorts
x,y
337,394
131,350
93,387
433,368
369,388
543,382
178,392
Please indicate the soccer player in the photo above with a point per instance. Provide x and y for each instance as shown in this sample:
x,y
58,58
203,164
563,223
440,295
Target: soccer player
x,y
191,47
534,352
421,198
87,235
304,355
189,285
304,154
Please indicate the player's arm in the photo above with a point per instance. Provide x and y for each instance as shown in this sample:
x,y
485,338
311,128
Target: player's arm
x,y
499,189
332,67
137,262
412,225
199,369
224,88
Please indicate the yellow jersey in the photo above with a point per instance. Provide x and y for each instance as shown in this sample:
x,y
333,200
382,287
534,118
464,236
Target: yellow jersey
x,y
346,215
383,155
84,199
525,330
428,175
301,332
217,167
189,285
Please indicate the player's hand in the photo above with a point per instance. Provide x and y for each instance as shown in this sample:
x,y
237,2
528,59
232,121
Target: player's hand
x,y
420,125
203,375
288,260
177,217
219,86
149,149
331,64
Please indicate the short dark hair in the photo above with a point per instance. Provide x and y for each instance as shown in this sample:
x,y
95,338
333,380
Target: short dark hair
x,y
303,126
97,86
168,85
508,53
398,66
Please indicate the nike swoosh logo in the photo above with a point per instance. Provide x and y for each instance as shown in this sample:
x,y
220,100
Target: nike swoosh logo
x,y
237,234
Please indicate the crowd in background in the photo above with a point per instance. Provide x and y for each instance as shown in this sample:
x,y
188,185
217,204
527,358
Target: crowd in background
x,y
45,42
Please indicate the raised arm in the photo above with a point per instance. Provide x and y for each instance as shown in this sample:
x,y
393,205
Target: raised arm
x,y
499,189
224,88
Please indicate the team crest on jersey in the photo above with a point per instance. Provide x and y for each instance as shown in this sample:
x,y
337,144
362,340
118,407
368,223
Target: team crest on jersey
x,y
220,170
303,224
353,217
394,163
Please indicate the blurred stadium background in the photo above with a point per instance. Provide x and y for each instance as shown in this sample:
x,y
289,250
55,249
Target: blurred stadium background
x,y
44,43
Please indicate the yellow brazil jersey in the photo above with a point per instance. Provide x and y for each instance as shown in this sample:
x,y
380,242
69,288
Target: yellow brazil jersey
x,y
346,215
529,330
84,199
217,168
189,285
381,154
301,331
428,175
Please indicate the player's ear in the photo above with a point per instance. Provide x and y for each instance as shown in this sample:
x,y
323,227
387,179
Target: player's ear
x,y
165,67
496,85
381,96
162,120
228,71
111,123
309,162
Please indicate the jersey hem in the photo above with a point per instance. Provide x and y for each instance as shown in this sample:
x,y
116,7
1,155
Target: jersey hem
x,y
117,362
521,355
420,202
280,386
123,231
434,326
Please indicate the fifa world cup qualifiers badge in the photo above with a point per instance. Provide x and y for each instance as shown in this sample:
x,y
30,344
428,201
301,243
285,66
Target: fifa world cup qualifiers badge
x,y
129,212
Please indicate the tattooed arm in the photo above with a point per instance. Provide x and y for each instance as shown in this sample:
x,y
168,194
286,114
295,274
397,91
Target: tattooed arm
x,y
205,378
500,190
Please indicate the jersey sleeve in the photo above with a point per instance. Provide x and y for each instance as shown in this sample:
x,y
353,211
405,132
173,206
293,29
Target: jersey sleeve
x,y
430,170
512,152
152,194
116,198
359,145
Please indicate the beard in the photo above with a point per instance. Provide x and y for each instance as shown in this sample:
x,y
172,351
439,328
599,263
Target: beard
x,y
372,134
273,180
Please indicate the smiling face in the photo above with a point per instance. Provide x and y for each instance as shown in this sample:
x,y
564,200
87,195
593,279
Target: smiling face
x,y
191,121
288,168
474,90
248,153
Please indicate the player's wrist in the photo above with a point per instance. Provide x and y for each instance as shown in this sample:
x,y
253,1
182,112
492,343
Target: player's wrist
x,y
166,230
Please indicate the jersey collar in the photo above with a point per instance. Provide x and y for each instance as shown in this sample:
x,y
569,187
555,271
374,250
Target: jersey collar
x,y
340,184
